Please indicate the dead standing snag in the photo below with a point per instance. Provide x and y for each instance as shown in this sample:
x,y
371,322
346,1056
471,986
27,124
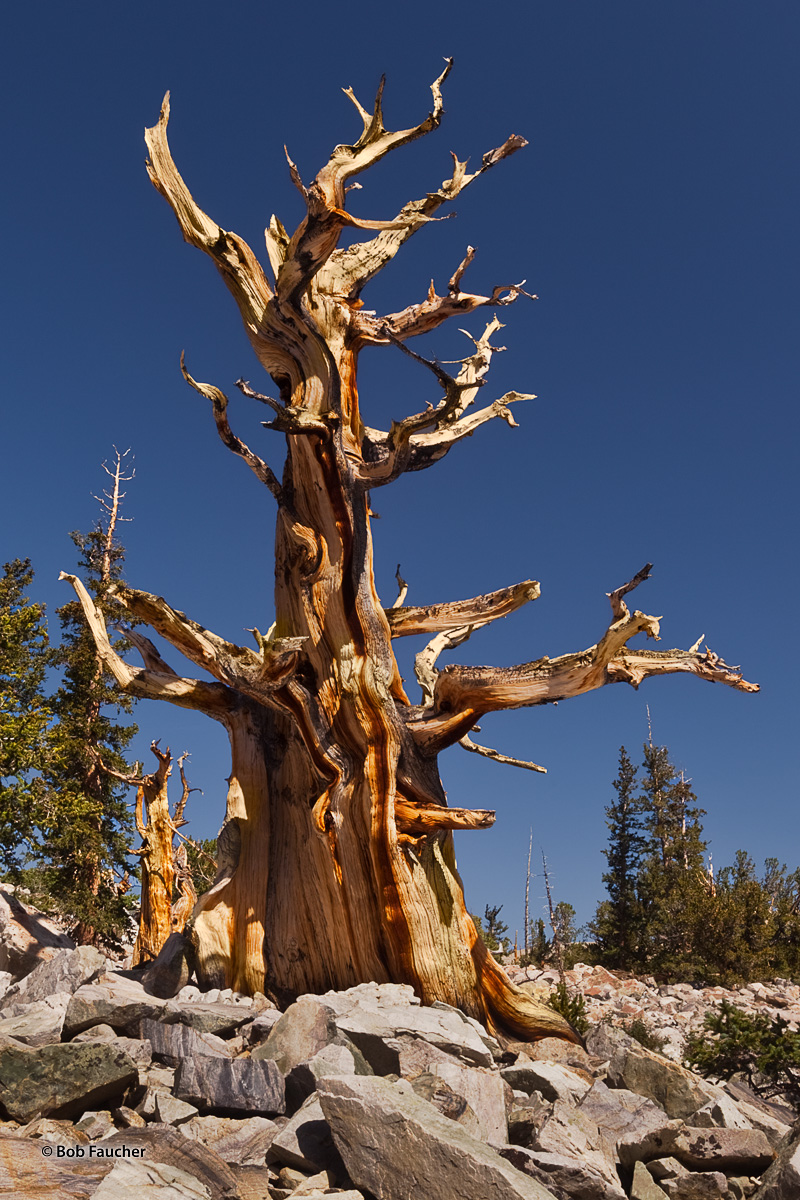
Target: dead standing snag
x,y
336,861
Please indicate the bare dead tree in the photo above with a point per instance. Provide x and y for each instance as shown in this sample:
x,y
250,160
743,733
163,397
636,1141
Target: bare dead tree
x,y
164,865
527,938
336,860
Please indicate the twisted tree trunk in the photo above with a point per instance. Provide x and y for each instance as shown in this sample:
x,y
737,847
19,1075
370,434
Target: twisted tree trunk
x,y
336,861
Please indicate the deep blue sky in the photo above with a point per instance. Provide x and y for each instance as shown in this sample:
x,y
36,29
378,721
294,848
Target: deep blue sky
x,y
654,213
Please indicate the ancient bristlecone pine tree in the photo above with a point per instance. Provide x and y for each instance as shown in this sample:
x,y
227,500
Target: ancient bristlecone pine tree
x,y
336,861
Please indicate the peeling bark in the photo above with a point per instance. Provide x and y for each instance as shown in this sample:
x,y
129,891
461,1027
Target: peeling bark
x,y
336,861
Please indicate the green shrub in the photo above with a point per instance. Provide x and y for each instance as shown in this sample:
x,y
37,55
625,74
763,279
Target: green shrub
x,y
571,1008
762,1050
644,1035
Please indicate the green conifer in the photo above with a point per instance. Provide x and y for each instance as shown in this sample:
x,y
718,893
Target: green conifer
x,y
24,712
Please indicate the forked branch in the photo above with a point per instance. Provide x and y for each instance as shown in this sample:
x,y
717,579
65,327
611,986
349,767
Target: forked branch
x,y
433,311
461,695
256,673
422,439
214,699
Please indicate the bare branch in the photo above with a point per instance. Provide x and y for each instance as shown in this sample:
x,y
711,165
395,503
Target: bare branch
x,y
618,606
219,404
349,270
150,655
461,695
467,744
419,820
422,439
254,673
211,698
291,418
401,595
233,258
433,311
433,618
425,662
186,791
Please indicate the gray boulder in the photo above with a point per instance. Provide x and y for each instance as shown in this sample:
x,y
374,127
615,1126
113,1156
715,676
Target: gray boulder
x,y
397,1146
620,1115
484,1092
571,1132
526,1115
240,1085
62,1080
114,1000
306,1028
66,971
139,1050
39,1023
169,1110
553,1081
566,1178
306,1142
163,1144
244,1142
173,1043
333,1059
643,1186
449,1103
27,938
739,1151
151,1181
697,1185
220,1019
678,1091
781,1181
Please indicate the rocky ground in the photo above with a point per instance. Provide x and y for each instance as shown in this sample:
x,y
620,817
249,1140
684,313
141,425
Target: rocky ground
x,y
670,1011
109,1091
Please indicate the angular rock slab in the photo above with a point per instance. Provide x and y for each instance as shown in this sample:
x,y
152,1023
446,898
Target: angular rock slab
x,y
399,1147
66,971
163,1144
306,1142
26,937
644,1187
678,1091
38,1023
782,1180
150,1181
239,1085
172,1043
566,1178
111,1000
553,1081
62,1080
243,1142
26,1174
621,1115
571,1132
221,1019
737,1151
483,1091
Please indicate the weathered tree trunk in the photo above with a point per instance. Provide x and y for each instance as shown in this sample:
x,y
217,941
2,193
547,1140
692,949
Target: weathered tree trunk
x,y
336,861
164,866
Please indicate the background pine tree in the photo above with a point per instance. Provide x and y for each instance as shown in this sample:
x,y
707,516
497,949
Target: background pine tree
x,y
617,925
25,712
